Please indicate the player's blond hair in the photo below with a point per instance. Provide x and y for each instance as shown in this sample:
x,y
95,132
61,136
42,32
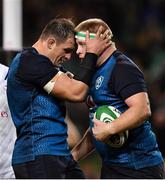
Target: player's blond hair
x,y
92,26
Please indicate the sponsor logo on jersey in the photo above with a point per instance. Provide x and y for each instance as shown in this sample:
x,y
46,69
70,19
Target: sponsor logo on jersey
x,y
99,82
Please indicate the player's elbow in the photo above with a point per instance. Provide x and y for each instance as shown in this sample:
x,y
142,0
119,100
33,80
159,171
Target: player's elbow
x,y
146,113
78,93
75,96
78,97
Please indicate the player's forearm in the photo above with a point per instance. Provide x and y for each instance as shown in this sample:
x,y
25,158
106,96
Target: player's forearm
x,y
136,114
81,152
84,147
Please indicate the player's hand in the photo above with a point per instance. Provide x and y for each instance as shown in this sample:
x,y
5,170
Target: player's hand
x,y
99,43
101,130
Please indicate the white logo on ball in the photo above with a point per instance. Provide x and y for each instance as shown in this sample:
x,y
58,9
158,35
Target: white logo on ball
x,y
106,117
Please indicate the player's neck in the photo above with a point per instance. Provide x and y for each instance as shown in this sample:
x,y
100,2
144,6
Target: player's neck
x,y
40,46
104,56
37,46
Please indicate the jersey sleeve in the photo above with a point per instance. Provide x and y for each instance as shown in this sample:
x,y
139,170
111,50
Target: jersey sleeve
x,y
127,80
36,70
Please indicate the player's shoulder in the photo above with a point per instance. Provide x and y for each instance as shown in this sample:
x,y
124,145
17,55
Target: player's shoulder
x,y
31,53
30,57
125,66
121,58
123,61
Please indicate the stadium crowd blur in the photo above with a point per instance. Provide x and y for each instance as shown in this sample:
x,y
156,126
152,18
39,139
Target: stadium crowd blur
x,y
139,31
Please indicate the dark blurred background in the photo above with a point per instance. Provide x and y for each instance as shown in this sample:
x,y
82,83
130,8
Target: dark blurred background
x,y
139,31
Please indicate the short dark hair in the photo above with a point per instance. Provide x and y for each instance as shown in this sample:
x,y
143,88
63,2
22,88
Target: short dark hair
x,y
60,28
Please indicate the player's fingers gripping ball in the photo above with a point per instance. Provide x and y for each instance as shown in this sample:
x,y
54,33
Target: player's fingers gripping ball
x,y
108,114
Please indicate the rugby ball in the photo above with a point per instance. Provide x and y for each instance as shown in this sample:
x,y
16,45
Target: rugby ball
x,y
108,114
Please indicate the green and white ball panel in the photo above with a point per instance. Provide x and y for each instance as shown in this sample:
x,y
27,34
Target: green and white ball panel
x,y
108,114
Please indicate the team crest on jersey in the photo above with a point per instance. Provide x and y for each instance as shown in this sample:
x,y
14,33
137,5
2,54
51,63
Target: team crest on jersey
x,y
99,82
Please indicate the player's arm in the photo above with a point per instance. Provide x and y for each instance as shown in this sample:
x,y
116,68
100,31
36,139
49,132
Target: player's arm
x,y
138,111
131,87
71,89
66,88
75,89
84,147
73,132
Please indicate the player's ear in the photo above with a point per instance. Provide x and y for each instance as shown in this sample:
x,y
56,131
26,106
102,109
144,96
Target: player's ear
x,y
51,42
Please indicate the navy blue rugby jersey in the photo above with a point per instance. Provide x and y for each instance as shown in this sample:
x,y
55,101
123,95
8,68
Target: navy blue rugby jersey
x,y
115,80
38,117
